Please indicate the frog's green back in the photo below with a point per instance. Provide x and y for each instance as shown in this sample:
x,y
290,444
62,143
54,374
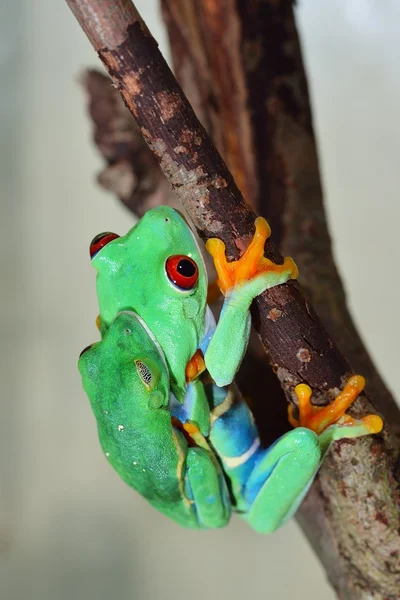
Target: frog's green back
x,y
128,386
131,275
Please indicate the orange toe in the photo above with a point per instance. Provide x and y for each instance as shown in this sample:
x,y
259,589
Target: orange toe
x,y
251,264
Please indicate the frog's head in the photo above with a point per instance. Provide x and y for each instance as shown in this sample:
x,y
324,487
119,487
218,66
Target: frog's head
x,y
125,375
156,270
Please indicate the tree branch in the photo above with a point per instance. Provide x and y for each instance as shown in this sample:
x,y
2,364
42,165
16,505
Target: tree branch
x,y
299,348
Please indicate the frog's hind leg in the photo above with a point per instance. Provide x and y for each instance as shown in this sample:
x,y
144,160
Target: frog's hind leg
x,y
234,438
267,484
281,479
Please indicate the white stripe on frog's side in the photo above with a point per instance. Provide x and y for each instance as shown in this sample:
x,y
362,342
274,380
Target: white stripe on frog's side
x,y
149,333
236,461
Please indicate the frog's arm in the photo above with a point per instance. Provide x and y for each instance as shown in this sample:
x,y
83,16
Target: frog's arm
x,y
240,281
127,382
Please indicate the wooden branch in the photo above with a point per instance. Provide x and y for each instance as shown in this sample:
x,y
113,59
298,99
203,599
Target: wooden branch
x,y
298,346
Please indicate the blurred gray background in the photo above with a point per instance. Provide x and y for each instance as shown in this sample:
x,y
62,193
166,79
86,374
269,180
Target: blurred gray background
x,y
69,528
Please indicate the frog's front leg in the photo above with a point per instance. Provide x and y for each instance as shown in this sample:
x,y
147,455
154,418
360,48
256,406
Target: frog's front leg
x,y
240,281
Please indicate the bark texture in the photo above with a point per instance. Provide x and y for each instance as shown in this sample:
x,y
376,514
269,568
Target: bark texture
x,y
351,515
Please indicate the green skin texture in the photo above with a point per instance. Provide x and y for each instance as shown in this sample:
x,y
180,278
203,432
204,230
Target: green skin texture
x,y
131,276
136,434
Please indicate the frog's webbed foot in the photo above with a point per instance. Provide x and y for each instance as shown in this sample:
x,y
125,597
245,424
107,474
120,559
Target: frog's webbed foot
x,y
253,269
333,418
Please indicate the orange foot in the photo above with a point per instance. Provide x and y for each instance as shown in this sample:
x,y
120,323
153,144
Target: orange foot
x,y
318,418
252,264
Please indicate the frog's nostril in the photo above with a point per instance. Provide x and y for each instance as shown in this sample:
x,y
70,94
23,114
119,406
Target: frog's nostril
x,y
101,240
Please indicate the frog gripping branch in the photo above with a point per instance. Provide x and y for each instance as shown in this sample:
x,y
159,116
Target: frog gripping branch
x,y
299,347
167,434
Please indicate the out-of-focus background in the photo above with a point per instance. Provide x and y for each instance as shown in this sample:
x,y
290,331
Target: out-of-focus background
x,y
69,528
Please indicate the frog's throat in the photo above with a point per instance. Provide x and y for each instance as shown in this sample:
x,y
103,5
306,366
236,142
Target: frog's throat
x,y
151,336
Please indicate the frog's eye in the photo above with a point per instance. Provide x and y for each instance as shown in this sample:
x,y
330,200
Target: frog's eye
x,y
101,240
182,271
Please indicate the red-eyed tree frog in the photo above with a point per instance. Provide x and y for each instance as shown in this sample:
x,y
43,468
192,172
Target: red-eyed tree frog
x,y
157,271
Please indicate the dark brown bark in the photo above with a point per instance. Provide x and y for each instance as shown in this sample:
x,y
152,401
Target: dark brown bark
x,y
356,498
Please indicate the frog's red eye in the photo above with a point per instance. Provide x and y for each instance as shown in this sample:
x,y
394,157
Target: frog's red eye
x,y
182,271
101,240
